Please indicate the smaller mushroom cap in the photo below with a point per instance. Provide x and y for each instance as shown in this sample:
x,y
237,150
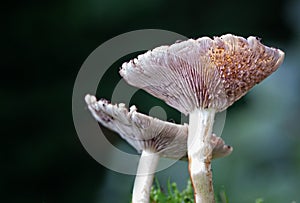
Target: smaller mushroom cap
x,y
203,73
145,132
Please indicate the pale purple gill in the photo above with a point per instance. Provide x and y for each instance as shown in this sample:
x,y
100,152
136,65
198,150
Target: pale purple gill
x,y
150,136
201,77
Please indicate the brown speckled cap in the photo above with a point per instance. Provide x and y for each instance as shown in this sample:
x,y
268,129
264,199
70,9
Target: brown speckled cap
x,y
145,132
203,73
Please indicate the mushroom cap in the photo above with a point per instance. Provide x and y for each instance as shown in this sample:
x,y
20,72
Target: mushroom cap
x,y
145,132
203,73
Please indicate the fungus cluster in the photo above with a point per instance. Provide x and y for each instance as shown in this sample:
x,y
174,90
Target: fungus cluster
x,y
198,78
151,137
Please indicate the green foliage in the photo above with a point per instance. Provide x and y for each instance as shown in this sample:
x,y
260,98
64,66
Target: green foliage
x,y
222,197
186,196
173,195
259,200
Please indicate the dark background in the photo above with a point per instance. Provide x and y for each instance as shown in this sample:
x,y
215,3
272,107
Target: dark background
x,y
43,47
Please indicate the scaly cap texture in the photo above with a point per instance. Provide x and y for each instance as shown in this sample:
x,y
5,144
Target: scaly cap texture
x,y
203,73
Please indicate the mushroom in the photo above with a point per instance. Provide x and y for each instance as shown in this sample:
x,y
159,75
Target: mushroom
x,y
201,77
150,136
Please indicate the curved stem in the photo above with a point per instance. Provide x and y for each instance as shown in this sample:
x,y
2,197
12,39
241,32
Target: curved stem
x,y
200,154
144,178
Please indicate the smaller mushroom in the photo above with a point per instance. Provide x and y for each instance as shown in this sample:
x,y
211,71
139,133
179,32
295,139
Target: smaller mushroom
x,y
151,137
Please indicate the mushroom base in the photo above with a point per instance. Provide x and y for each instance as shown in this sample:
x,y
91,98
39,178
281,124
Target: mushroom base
x,y
200,154
144,177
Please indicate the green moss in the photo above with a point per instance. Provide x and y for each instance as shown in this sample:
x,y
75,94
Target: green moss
x,y
259,200
173,195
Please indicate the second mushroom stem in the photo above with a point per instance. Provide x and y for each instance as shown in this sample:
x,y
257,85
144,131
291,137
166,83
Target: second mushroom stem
x,y
144,178
200,154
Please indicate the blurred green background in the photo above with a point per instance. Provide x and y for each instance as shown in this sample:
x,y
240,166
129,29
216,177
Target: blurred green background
x,y
44,44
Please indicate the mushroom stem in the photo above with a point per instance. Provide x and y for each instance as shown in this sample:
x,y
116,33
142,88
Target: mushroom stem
x,y
144,178
200,154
